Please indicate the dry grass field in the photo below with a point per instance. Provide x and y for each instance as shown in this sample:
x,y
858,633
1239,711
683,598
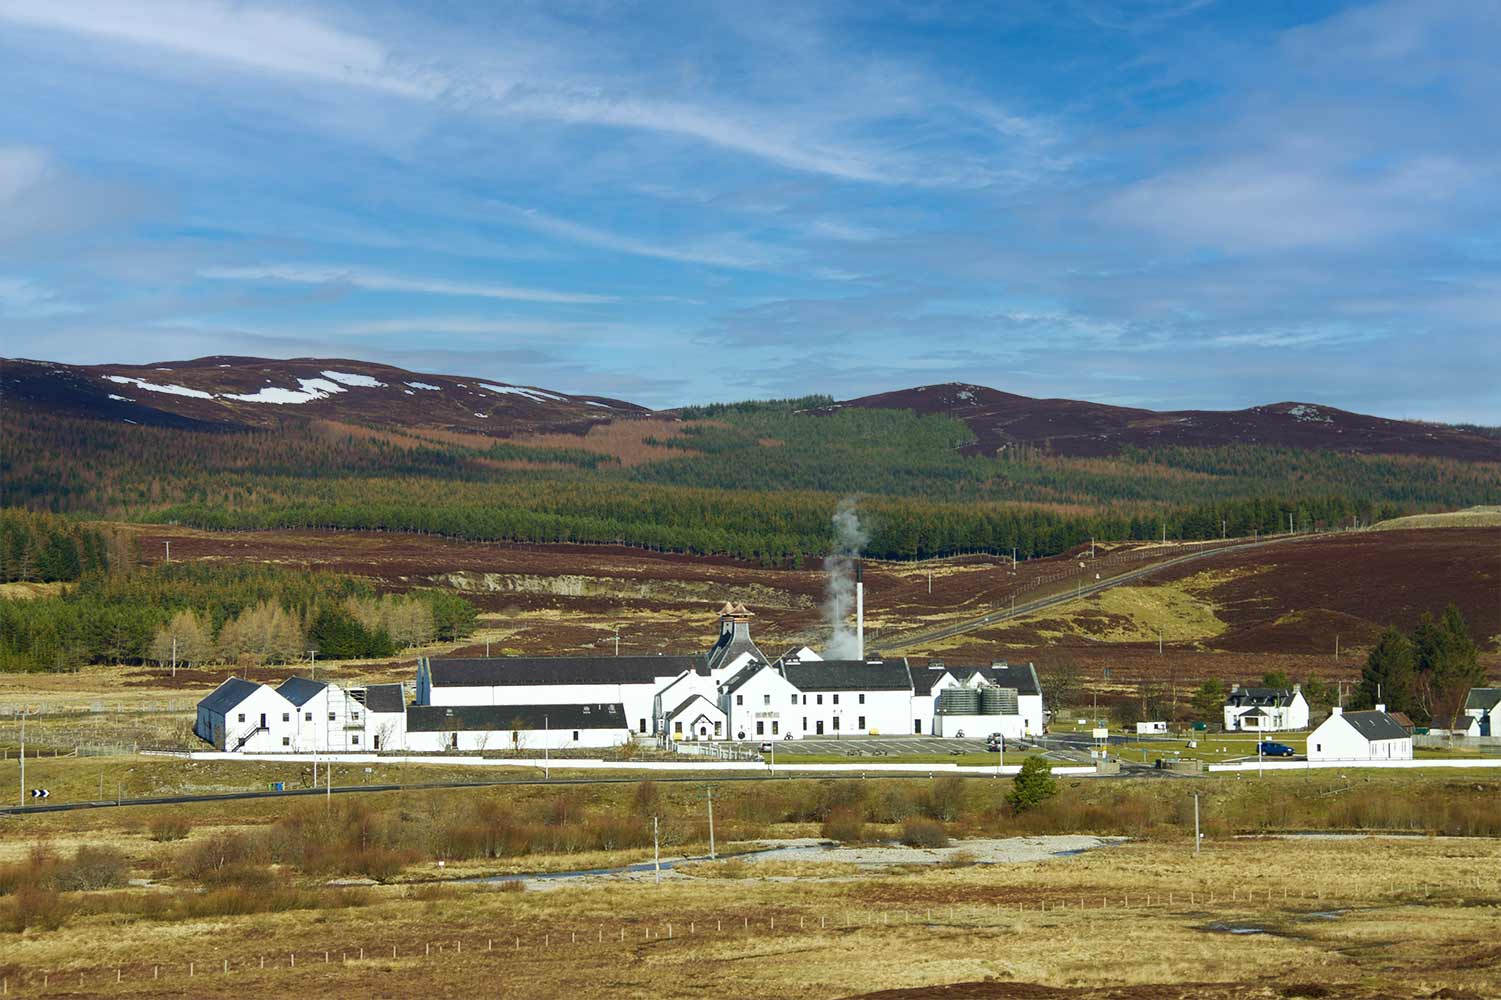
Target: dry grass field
x,y
1249,917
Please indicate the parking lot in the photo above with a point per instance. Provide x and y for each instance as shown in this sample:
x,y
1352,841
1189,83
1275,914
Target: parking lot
x,y
876,746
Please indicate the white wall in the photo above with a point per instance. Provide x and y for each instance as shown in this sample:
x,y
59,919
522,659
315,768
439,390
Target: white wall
x,y
346,730
245,716
385,731
768,699
639,699
528,739
715,724
977,727
1336,739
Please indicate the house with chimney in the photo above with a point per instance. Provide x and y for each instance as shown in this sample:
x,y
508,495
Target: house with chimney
x,y
1265,710
1360,736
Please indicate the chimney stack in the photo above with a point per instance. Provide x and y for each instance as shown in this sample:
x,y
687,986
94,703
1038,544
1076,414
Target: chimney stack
x,y
859,610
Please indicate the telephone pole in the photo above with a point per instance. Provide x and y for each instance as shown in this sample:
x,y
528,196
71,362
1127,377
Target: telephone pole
x,y
711,822
656,847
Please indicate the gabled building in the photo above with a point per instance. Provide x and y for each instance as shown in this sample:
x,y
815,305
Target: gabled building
x,y
695,719
734,648
1265,710
385,716
759,703
477,728
851,697
1483,712
1007,700
244,716
1360,736
325,717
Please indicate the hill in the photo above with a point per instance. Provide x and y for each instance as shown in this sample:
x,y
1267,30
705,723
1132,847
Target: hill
x,y
241,393
1002,420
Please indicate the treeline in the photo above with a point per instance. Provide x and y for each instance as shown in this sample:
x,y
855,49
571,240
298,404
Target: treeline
x,y
1425,673
44,548
198,613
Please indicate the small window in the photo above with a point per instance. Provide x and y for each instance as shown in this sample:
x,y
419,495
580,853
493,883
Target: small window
x,y
917,727
356,739
862,722
766,699
760,728
718,728
862,699
286,716
805,723
805,699
677,726
286,741
308,716
836,699
242,716
355,715
836,723
330,716
794,697
776,727
739,700
820,699
575,736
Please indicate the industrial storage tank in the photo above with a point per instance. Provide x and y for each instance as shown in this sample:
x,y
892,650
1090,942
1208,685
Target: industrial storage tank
x,y
998,701
959,701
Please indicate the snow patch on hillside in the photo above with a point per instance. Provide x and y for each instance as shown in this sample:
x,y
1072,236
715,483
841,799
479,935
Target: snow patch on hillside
x,y
359,381
310,389
1309,414
536,395
171,390
424,385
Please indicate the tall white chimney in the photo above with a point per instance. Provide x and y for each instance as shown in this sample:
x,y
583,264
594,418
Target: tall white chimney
x,y
859,611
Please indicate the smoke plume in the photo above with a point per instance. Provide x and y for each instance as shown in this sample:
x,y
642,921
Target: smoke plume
x,y
850,536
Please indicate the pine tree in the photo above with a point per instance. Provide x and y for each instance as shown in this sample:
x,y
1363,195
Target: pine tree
x,y
1390,674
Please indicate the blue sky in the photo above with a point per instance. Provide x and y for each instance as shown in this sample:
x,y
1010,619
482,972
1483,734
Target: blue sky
x,y
1176,204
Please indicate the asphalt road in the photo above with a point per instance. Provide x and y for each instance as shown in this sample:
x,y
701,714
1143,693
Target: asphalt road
x,y
898,642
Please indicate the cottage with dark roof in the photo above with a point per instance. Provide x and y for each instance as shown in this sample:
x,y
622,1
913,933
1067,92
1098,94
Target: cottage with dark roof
x,y
385,716
246,717
1360,736
477,728
1266,710
325,717
1482,712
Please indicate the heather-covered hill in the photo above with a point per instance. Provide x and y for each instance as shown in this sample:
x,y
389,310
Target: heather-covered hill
x,y
238,393
1001,420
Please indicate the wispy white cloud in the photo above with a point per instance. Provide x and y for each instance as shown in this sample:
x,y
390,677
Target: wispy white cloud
x,y
379,281
251,37
719,251
23,298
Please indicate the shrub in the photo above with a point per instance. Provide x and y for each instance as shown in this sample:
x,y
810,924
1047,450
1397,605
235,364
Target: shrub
x,y
206,858
168,827
92,868
1033,786
944,799
32,906
845,824
920,832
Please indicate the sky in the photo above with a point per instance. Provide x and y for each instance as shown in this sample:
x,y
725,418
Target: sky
x,y
1176,204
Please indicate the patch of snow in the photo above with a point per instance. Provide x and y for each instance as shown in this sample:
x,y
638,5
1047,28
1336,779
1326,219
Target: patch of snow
x,y
360,381
590,402
483,416
171,390
409,392
310,389
420,385
123,399
966,394
224,366
533,394
127,420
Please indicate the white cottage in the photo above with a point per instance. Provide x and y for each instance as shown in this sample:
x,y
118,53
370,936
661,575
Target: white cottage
x,y
1357,736
1483,712
759,703
1266,710
696,718
385,717
244,716
851,697
326,717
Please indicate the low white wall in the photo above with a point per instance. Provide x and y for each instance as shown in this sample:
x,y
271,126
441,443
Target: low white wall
x,y
1301,765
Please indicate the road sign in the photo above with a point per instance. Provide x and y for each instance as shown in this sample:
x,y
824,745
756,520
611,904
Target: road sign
x,y
40,793
1101,734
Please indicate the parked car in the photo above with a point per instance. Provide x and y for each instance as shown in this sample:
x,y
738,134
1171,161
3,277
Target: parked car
x,y
766,747
1270,749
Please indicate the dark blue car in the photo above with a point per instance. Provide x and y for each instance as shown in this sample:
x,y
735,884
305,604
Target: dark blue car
x,y
1270,749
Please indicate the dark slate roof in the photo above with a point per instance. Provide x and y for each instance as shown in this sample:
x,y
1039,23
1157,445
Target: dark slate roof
x,y
1023,678
1268,697
299,690
688,701
520,670
742,675
481,718
1254,713
385,698
848,675
923,678
1376,725
1483,699
229,694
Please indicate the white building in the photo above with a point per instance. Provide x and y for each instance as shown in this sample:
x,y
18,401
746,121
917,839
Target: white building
x,y
385,717
850,697
1360,736
630,681
1483,712
694,719
244,716
1266,710
1016,699
759,703
325,717
477,728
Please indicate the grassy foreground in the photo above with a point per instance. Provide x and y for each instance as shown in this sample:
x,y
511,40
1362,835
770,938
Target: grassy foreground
x,y
157,901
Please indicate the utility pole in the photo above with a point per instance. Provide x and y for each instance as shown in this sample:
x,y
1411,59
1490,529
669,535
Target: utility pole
x,y
328,785
23,757
313,658
169,553
656,848
1336,645
546,753
930,581
174,656
1159,642
1197,835
711,822
617,640
487,649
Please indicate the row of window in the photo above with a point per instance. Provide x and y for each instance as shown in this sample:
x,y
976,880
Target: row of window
x,y
354,716
766,699
354,740
776,726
